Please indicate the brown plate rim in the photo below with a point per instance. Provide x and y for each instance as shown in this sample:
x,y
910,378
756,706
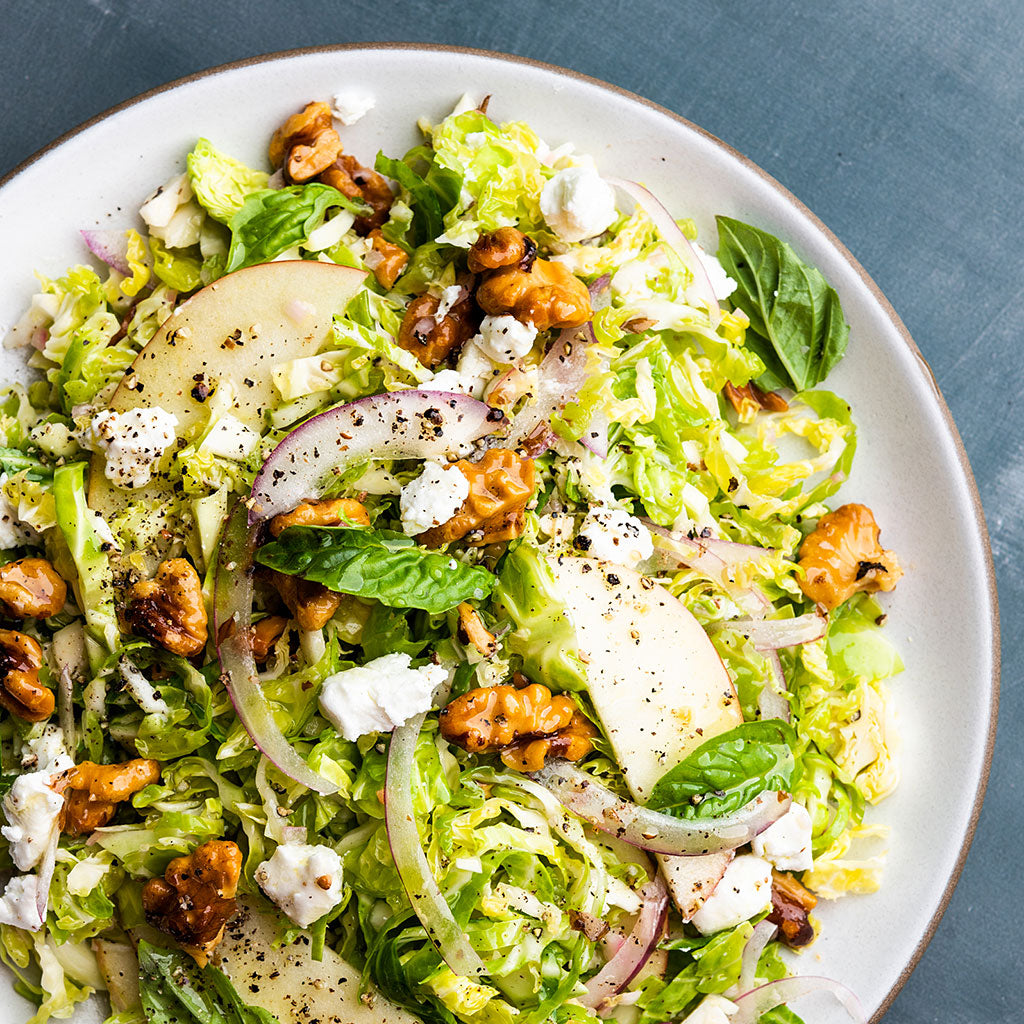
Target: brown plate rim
x,y
866,278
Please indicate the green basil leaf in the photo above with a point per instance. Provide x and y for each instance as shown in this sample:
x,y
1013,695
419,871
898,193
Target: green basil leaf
x,y
272,221
796,320
387,566
13,460
728,771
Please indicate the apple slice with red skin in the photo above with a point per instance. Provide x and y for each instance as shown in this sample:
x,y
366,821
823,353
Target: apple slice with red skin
x,y
658,686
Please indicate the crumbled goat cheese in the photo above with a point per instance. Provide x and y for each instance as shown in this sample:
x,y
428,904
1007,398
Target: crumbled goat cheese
x,y
614,536
504,338
131,442
45,751
351,104
577,203
230,439
712,1009
787,842
744,890
449,297
432,498
32,810
18,903
378,696
13,532
721,283
304,881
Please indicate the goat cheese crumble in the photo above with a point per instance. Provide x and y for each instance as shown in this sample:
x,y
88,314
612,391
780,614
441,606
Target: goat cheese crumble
x,y
787,842
303,880
432,498
132,443
32,810
614,536
712,1009
351,104
504,339
578,203
18,905
744,890
378,696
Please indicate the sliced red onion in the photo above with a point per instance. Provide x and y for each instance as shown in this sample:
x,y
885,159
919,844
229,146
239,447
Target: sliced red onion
x,y
672,233
400,425
45,876
751,1005
713,558
631,956
651,830
109,245
772,634
560,376
600,292
421,887
763,933
595,437
771,701
232,621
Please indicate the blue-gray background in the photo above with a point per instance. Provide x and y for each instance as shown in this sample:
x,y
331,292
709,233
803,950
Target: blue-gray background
x,y
899,122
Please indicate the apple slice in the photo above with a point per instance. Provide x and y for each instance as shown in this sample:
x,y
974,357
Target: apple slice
x,y
657,684
236,330
120,969
292,985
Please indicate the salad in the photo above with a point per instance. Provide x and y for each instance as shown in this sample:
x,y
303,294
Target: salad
x,y
421,601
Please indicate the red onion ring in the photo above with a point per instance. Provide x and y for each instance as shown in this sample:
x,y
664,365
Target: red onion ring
x,y
763,933
45,876
421,887
751,1005
109,245
772,634
651,830
631,956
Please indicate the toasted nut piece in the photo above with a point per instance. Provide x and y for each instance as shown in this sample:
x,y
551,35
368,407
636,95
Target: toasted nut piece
x,y
492,717
169,609
21,693
311,604
354,180
842,556
265,634
547,295
332,512
792,903
388,261
31,589
196,897
750,399
506,247
306,143
431,340
473,631
93,791
570,743
500,485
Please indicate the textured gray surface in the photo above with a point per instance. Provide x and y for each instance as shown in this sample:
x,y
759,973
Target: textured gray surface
x,y
899,122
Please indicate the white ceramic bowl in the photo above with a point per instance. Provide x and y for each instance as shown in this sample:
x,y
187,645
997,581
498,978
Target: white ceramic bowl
x,y
910,468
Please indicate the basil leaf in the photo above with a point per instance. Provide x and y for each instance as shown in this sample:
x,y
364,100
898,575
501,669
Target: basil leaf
x,y
13,460
796,319
728,771
174,990
376,563
274,220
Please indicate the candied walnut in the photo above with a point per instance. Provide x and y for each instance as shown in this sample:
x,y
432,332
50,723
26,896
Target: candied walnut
x,y
792,903
93,791
491,717
265,634
306,143
473,631
196,897
506,247
311,604
21,693
500,485
387,259
352,179
570,743
31,588
169,608
331,512
546,295
842,556
749,399
431,340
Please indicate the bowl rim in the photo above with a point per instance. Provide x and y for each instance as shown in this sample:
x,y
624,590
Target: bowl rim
x,y
789,197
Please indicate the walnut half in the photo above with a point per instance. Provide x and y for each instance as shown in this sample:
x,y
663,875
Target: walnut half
x,y
21,693
93,791
196,897
169,608
31,588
